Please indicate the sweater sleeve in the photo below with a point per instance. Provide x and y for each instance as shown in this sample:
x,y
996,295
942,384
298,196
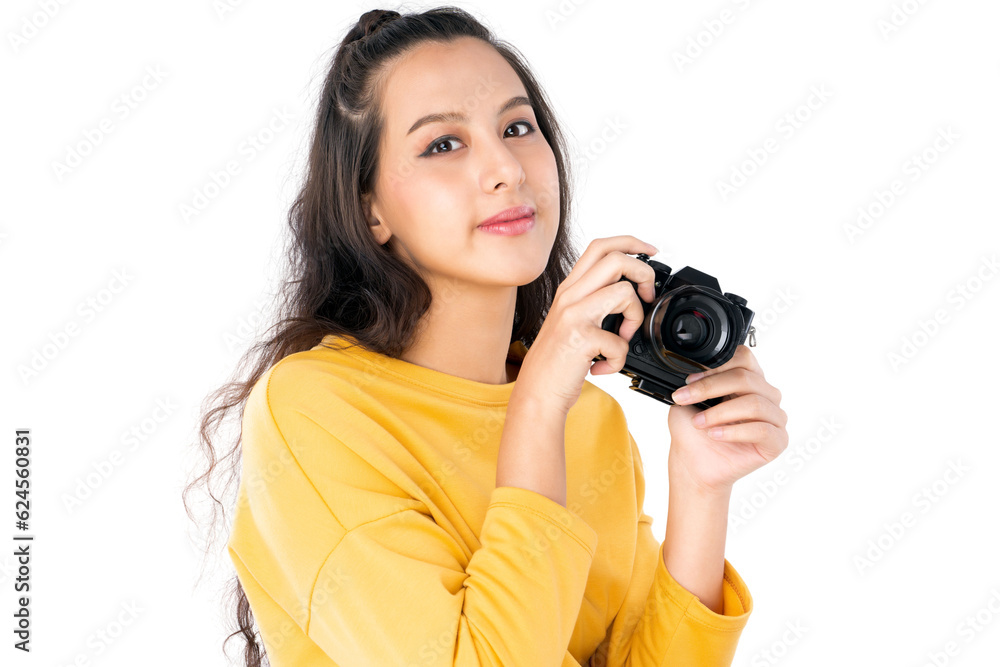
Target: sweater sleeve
x,y
399,589
663,624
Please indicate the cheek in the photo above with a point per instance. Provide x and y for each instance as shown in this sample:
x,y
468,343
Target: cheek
x,y
541,161
425,196
543,174
428,212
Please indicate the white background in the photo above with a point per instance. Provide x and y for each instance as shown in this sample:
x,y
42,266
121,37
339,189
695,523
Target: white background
x,y
653,138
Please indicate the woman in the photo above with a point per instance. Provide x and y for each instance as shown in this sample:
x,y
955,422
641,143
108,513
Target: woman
x,y
427,476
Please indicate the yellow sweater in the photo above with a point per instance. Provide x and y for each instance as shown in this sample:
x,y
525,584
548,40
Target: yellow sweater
x,y
369,531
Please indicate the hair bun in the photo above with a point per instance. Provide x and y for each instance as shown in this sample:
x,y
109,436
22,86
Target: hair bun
x,y
372,21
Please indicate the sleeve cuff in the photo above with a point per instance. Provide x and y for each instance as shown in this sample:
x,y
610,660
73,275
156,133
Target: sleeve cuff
x,y
544,507
737,604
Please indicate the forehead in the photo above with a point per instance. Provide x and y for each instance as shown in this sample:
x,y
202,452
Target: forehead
x,y
466,75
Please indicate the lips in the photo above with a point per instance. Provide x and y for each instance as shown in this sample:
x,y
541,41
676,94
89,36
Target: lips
x,y
513,213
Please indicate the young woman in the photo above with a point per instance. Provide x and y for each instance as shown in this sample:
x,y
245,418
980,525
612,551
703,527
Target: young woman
x,y
427,476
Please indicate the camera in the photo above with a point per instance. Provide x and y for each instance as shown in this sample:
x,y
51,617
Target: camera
x,y
690,326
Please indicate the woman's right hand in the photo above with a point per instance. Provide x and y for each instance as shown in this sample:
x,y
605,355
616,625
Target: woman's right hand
x,y
556,365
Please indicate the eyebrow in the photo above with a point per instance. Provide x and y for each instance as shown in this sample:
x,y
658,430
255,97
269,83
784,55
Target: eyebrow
x,y
454,116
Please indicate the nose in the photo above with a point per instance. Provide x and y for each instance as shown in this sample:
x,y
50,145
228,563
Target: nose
x,y
499,166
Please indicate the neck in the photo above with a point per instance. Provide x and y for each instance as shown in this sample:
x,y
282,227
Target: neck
x,y
467,335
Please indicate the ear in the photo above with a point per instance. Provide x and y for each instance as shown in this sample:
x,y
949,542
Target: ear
x,y
378,229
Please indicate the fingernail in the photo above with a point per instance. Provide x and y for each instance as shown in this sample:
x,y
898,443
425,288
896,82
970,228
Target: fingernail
x,y
681,395
694,377
715,433
699,419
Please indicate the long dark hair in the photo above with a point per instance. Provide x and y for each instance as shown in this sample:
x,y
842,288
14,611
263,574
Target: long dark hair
x,y
339,279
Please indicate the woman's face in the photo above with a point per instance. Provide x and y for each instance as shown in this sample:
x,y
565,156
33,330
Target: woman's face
x,y
438,181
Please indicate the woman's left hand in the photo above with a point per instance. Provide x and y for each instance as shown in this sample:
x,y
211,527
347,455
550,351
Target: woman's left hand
x,y
752,426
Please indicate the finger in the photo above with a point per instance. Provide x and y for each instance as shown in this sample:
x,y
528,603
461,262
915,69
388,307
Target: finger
x,y
737,381
609,270
598,248
764,434
614,349
615,298
742,409
742,358
767,439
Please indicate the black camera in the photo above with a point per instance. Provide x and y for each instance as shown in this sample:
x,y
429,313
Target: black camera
x,y
690,326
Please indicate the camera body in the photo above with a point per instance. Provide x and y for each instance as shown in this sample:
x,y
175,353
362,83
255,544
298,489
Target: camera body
x,y
690,326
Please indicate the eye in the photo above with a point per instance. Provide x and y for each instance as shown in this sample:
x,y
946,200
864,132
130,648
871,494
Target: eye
x,y
431,150
529,126
437,142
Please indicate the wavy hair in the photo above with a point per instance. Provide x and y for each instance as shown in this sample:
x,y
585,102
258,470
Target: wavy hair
x,y
339,280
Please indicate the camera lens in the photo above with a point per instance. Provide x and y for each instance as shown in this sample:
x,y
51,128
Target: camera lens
x,y
690,329
692,324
